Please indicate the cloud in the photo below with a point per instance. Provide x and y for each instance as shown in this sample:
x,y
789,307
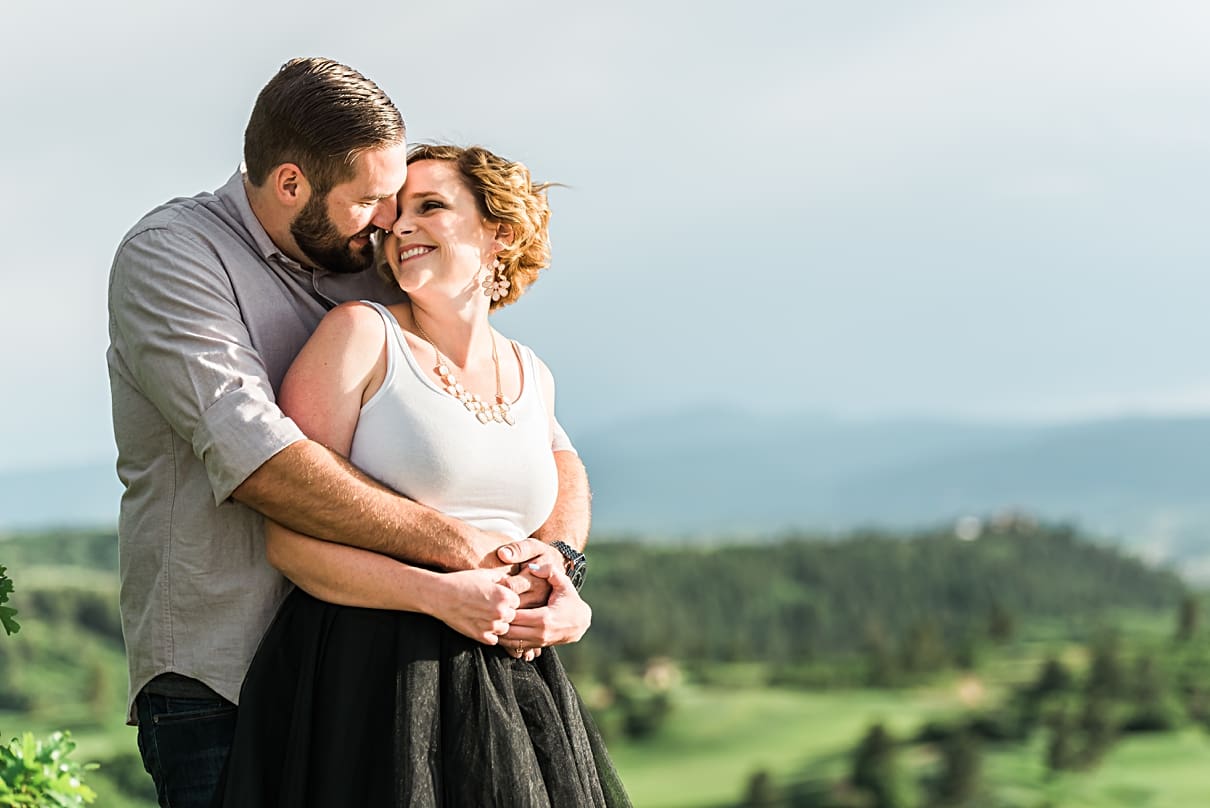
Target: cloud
x,y
936,206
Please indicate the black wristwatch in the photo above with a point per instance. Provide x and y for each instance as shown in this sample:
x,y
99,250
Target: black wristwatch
x,y
575,563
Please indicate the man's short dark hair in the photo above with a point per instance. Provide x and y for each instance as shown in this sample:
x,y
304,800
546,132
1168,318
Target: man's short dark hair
x,y
319,115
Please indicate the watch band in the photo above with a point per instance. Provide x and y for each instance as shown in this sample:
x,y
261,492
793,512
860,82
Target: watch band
x,y
575,563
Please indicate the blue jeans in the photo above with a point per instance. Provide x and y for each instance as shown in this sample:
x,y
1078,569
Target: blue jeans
x,y
184,744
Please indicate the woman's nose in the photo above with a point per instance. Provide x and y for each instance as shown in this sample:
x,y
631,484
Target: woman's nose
x,y
401,226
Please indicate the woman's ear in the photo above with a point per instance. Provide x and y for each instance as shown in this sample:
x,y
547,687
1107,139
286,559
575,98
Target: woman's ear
x,y
504,234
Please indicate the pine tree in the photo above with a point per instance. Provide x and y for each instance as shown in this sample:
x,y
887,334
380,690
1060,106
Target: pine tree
x,y
761,792
960,770
874,768
1188,616
1060,751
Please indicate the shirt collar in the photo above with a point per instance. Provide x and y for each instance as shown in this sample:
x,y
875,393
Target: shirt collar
x,y
235,196
337,287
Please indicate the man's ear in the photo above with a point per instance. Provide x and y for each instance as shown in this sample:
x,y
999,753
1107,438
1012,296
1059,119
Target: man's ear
x,y
504,234
290,185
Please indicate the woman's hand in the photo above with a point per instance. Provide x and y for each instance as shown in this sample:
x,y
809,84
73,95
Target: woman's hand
x,y
476,603
563,619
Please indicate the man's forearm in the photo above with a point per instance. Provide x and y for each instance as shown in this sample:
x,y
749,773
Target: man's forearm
x,y
315,491
572,515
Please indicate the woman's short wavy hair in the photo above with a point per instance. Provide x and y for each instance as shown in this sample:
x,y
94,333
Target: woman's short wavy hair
x,y
505,194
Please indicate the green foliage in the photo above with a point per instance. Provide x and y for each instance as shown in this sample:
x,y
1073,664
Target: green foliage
x,y
1188,617
761,792
958,781
1061,751
881,609
806,614
874,769
93,550
36,772
636,705
11,626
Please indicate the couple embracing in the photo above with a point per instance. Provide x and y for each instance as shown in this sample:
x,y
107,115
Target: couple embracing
x,y
348,507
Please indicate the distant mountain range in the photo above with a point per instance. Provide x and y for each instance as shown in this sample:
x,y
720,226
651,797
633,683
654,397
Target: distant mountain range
x,y
1144,482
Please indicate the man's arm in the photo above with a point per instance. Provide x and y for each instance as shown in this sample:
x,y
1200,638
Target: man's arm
x,y
368,579
182,341
572,514
313,490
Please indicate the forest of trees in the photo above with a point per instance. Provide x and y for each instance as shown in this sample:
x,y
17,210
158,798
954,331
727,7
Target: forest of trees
x,y
892,605
866,610
1124,690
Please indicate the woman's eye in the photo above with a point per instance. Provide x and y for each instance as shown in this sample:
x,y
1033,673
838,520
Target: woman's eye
x,y
430,204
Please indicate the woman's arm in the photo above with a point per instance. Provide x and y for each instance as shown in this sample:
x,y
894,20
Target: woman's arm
x,y
472,602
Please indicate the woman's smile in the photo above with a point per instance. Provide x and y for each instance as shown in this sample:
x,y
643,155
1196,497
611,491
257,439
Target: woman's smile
x,y
415,251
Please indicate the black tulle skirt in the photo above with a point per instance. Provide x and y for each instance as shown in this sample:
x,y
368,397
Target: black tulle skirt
x,y
361,707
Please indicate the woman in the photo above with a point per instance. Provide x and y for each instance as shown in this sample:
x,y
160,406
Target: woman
x,y
450,702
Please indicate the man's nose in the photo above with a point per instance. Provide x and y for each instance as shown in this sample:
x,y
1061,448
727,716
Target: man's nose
x,y
386,213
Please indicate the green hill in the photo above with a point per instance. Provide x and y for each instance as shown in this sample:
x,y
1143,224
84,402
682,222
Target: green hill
x,y
751,628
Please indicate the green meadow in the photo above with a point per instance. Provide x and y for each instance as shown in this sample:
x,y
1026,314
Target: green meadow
x,y
721,736
701,726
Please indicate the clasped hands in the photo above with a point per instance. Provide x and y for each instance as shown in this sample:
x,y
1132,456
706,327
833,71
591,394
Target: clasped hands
x,y
519,598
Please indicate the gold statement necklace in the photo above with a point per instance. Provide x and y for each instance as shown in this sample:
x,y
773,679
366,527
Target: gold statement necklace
x,y
486,413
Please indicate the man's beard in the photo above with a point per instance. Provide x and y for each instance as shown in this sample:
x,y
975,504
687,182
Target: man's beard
x,y
324,245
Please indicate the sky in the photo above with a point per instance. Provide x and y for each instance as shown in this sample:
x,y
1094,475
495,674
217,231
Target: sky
x,y
864,209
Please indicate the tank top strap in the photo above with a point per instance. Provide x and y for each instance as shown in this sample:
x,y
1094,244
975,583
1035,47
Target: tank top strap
x,y
393,337
533,382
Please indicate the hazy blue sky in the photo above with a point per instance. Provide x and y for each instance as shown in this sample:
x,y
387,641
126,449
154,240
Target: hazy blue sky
x,y
868,208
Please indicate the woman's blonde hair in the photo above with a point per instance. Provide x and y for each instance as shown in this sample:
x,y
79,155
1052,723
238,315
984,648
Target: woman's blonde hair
x,y
507,195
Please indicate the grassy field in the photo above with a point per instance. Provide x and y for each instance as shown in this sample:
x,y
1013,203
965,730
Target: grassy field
x,y
1160,771
724,725
719,737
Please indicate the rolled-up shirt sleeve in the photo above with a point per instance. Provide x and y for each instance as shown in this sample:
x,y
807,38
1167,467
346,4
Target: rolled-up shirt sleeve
x,y
176,323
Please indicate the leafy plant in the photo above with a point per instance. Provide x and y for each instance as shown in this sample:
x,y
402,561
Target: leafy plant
x,y
11,626
37,772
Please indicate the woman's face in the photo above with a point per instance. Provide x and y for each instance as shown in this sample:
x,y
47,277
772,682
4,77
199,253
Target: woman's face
x,y
440,242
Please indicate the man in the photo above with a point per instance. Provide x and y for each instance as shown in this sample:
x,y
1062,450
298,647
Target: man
x,y
210,299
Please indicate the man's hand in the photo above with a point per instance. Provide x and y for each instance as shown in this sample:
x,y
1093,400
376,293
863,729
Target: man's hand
x,y
534,589
564,618
484,547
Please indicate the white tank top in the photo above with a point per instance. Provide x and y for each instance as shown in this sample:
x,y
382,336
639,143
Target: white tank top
x,y
422,442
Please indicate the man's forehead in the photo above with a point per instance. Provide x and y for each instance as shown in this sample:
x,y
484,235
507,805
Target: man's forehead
x,y
378,172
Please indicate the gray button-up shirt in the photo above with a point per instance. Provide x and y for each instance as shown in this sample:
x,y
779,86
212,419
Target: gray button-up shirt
x,y
205,316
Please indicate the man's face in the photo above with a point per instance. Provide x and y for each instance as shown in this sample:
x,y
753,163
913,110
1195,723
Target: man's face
x,y
333,230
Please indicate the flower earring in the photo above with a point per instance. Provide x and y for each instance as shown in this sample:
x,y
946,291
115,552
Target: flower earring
x,y
495,285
